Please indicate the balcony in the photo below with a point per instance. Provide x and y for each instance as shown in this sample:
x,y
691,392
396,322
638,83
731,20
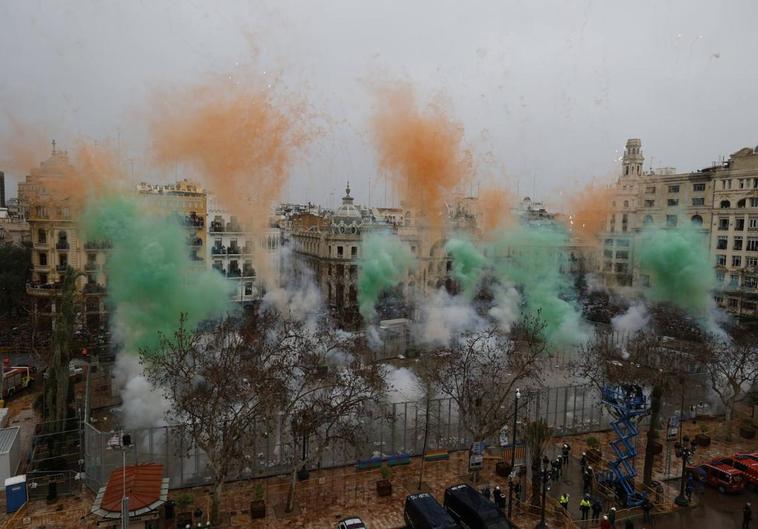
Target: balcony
x,y
233,250
219,268
217,227
98,245
233,227
61,268
62,245
42,245
218,250
193,221
195,242
43,289
234,272
91,267
94,288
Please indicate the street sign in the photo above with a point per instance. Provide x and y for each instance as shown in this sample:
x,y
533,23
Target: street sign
x,y
672,430
475,462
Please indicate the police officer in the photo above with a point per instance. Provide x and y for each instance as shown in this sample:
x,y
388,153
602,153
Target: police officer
x,y
564,501
565,451
584,507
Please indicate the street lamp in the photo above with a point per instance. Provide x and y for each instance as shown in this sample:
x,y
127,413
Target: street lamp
x,y
544,476
683,450
513,453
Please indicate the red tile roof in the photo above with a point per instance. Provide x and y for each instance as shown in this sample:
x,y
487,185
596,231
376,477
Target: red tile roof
x,y
143,487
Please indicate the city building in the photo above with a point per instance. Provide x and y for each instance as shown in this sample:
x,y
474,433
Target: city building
x,y
57,244
188,201
13,226
721,201
232,249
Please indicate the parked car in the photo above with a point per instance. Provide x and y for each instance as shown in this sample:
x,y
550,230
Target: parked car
x,y
471,510
351,522
721,476
748,463
422,511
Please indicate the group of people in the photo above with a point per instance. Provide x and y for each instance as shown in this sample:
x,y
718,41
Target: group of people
x,y
497,496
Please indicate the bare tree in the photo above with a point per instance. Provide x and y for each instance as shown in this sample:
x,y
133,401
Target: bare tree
x,y
647,359
537,434
220,390
481,370
329,393
732,369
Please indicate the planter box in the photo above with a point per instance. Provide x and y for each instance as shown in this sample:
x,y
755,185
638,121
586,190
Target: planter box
x,y
257,509
747,433
365,464
703,440
436,455
384,488
399,459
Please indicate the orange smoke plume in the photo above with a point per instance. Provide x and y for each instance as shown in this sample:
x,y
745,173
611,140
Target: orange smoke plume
x,y
588,210
421,149
22,147
239,137
495,208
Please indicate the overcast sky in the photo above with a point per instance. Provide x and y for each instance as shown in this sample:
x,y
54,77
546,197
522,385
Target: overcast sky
x,y
548,92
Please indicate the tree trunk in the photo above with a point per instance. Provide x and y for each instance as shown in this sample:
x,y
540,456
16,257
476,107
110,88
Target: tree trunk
x,y
652,433
216,503
536,485
291,492
729,416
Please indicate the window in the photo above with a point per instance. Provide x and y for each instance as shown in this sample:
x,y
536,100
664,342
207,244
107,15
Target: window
x,y
752,223
751,262
671,220
41,236
626,203
723,224
608,253
750,281
609,242
736,260
673,189
741,182
737,243
741,203
721,260
734,280
698,187
720,276
622,268
721,244
650,189
63,260
733,303
622,242
672,202
353,251
754,202
752,244
340,251
725,204
700,201
248,288
739,225
650,203
697,220
42,259
622,254
41,212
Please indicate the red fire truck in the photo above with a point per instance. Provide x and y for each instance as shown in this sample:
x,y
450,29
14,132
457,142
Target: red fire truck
x,y
15,378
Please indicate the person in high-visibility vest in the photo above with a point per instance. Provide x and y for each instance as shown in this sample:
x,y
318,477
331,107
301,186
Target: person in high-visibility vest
x,y
564,501
584,507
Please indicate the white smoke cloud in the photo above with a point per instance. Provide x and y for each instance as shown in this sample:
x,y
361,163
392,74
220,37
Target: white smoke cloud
x,y
634,319
444,316
142,405
506,310
403,385
297,293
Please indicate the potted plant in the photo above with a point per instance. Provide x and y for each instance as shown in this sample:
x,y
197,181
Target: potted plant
x,y
384,485
747,429
258,505
594,454
703,439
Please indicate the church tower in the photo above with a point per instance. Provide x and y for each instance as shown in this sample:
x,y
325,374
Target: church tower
x,y
633,159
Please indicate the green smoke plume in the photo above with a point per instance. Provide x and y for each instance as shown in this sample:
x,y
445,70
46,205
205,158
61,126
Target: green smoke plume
x,y
384,264
680,268
151,278
531,257
468,264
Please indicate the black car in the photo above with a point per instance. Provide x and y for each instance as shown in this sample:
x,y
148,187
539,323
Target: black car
x,y
472,510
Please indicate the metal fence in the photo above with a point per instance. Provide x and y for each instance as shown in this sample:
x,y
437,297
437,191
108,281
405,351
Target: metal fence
x,y
396,428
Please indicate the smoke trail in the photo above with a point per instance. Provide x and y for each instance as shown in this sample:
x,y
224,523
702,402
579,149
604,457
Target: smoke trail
x,y
680,270
588,211
421,149
151,278
530,257
299,295
241,137
384,263
468,264
495,208
634,319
